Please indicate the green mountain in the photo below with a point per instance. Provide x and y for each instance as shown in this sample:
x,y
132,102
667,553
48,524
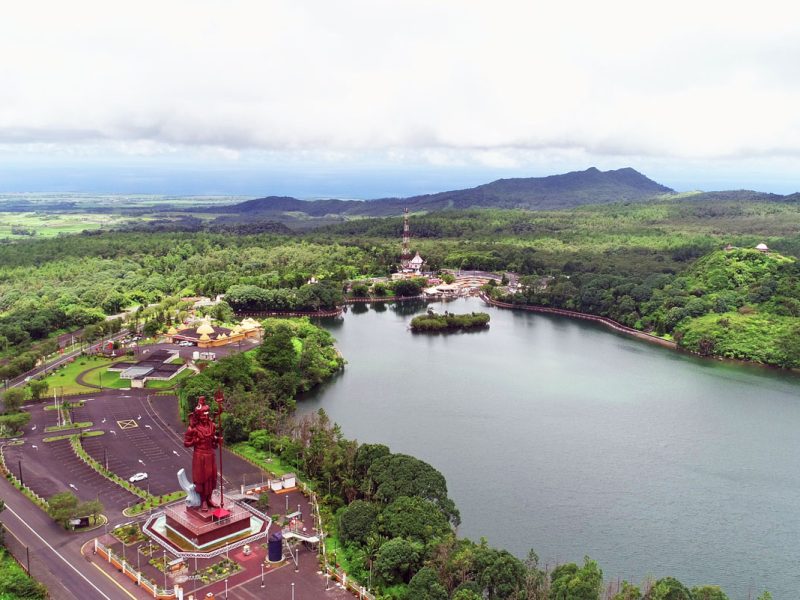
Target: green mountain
x,y
591,186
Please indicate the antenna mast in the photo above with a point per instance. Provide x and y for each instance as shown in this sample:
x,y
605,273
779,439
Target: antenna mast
x,y
405,255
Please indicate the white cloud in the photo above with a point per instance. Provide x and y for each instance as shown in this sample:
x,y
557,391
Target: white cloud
x,y
444,82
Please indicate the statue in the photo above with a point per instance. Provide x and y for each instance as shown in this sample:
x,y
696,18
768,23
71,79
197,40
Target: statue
x,y
202,436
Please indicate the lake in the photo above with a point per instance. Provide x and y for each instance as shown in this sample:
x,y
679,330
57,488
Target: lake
x,y
562,436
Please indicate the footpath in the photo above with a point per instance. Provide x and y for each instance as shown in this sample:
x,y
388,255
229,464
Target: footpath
x,y
585,317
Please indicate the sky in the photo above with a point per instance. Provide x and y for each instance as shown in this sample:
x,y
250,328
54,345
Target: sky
x,y
379,98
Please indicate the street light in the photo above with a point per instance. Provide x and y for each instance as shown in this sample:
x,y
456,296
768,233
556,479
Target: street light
x,y
293,590
226,588
262,574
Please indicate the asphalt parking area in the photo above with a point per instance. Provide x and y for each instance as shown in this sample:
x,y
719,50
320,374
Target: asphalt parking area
x,y
136,443
50,468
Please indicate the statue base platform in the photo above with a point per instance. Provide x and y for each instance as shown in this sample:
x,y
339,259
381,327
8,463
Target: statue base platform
x,y
195,532
204,528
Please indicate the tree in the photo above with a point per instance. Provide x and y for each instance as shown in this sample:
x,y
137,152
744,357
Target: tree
x,y
535,578
504,578
668,588
406,288
262,503
38,388
413,518
628,591
397,561
277,352
368,454
62,507
466,594
708,592
570,582
425,585
359,290
13,423
13,399
357,521
398,475
90,509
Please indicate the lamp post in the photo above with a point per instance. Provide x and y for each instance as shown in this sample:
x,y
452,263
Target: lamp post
x,y
293,590
262,574
165,569
226,588
19,464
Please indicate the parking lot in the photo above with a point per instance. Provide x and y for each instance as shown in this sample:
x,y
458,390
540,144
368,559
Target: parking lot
x,y
142,433
53,467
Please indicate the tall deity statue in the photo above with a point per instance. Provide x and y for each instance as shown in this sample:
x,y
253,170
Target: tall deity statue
x,y
202,436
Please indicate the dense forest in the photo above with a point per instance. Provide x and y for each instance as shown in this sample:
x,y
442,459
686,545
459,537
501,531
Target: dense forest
x,y
637,262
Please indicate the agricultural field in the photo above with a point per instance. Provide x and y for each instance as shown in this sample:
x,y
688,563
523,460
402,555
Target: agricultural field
x,y
24,225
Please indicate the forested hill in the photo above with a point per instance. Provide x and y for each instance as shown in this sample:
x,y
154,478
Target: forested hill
x,y
591,186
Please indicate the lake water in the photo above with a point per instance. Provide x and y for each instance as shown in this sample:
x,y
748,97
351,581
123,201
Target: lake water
x,y
562,436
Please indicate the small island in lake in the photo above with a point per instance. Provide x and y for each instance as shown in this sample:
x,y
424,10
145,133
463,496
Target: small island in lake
x,y
449,322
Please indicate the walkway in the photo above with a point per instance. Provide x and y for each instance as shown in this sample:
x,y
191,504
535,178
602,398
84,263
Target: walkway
x,y
583,316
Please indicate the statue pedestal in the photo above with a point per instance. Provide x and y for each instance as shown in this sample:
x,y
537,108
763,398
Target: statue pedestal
x,y
205,530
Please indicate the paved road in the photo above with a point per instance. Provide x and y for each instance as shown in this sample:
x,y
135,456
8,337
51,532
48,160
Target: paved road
x,y
19,380
55,554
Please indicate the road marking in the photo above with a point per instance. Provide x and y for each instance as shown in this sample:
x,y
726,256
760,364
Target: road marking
x,y
127,424
114,581
56,552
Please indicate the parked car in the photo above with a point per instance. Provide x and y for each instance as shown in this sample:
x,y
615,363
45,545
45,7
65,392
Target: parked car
x,y
137,477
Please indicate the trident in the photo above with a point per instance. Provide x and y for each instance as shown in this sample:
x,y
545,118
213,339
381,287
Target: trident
x,y
219,398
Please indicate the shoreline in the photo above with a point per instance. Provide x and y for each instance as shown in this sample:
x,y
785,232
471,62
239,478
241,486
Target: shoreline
x,y
610,323
619,327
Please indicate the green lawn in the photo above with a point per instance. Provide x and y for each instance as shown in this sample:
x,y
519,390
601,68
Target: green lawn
x,y
108,379
156,384
63,381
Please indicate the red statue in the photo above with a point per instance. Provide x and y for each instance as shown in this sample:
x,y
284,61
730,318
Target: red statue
x,y
202,436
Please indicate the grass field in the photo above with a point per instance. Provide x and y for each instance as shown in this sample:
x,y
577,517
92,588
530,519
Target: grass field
x,y
63,381
107,379
24,225
156,384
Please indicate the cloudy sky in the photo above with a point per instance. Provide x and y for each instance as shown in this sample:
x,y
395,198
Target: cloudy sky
x,y
373,97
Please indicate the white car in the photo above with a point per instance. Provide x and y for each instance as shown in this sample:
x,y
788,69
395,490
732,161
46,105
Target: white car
x,y
137,477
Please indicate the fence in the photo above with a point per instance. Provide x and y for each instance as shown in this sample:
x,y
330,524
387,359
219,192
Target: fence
x,y
339,575
129,571
332,571
290,313
4,470
584,316
31,562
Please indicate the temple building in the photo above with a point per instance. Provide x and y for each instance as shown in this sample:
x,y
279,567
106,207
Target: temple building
x,y
416,263
207,335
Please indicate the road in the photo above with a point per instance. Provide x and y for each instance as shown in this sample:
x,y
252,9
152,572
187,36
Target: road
x,y
20,379
56,560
